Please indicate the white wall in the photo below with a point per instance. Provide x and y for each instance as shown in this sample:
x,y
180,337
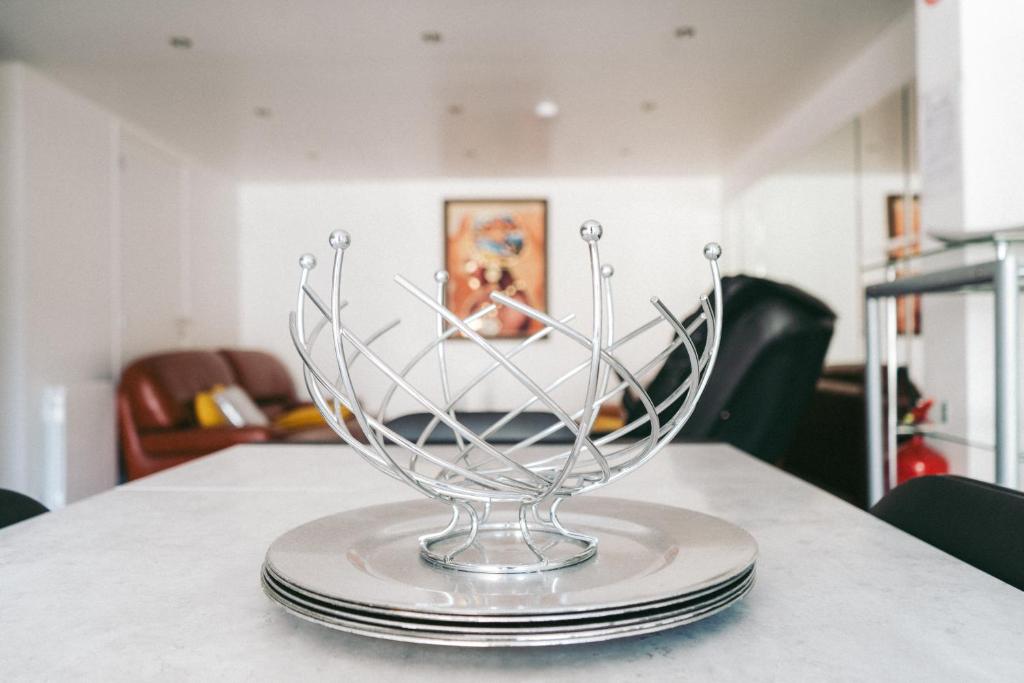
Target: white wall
x,y
972,159
152,242
799,226
802,204
212,308
654,233
70,260
179,235
12,376
820,221
991,56
883,66
57,254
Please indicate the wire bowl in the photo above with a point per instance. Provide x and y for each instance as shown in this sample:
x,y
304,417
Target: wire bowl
x,y
504,499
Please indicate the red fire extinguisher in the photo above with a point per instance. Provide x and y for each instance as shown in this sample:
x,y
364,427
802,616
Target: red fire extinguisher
x,y
915,458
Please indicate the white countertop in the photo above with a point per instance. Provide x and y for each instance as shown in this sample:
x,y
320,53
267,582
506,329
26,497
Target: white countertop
x,y
159,579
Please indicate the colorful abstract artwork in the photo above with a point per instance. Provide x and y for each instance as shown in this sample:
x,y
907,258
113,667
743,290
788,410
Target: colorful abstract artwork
x,y
496,245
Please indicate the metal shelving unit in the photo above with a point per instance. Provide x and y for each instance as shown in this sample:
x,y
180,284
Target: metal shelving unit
x,y
1002,277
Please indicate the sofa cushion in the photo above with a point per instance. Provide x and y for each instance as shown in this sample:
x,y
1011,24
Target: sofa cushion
x,y
262,376
238,407
162,387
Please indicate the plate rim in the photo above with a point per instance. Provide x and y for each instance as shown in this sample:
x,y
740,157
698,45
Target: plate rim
x,y
594,503
692,603
524,640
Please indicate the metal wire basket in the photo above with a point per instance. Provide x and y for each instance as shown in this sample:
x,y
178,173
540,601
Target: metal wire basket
x,y
505,499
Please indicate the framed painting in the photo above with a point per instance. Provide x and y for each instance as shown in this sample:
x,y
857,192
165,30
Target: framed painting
x,y
497,245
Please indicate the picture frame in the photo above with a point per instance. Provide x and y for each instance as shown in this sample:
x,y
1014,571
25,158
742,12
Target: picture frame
x,y
904,239
496,245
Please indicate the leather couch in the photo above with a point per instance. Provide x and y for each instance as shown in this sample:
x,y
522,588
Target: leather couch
x,y
155,410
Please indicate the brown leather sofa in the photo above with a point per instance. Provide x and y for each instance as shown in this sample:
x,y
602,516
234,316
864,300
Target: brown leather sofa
x,y
155,410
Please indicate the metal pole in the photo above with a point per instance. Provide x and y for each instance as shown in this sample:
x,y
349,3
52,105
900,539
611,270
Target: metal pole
x,y
1007,330
891,366
873,401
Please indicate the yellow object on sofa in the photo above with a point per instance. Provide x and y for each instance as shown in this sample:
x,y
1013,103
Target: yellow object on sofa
x,y
306,416
608,423
208,413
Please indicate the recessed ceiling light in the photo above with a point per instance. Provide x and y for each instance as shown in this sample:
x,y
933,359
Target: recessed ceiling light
x,y
180,42
454,109
262,112
546,109
431,37
647,106
685,32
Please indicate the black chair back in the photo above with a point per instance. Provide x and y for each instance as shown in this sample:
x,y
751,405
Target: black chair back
x,y
773,346
979,523
15,507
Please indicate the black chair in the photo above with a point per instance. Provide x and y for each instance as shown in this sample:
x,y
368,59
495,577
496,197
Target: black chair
x,y
773,346
979,523
15,507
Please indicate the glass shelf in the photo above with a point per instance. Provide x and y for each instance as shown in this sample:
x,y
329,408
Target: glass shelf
x,y
949,243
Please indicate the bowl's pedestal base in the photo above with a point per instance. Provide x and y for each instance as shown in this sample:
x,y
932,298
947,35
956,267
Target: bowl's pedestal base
x,y
503,548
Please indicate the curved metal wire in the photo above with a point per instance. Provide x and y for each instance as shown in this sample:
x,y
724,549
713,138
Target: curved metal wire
x,y
519,486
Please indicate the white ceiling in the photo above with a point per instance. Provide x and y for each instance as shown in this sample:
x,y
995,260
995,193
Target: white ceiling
x,y
356,93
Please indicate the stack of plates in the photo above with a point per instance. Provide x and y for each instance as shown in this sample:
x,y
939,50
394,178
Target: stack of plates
x,y
656,567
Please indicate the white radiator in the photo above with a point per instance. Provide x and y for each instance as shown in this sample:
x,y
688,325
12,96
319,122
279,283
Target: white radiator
x,y
79,441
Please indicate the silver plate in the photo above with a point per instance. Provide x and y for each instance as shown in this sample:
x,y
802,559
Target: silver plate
x,y
279,585
518,638
648,554
313,608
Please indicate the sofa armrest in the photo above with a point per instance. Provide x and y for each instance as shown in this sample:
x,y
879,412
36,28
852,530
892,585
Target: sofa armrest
x,y
202,440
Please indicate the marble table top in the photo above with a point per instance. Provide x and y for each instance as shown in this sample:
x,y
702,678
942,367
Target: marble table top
x,y
159,580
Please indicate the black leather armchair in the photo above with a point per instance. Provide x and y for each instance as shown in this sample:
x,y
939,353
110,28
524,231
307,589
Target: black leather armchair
x,y
773,346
